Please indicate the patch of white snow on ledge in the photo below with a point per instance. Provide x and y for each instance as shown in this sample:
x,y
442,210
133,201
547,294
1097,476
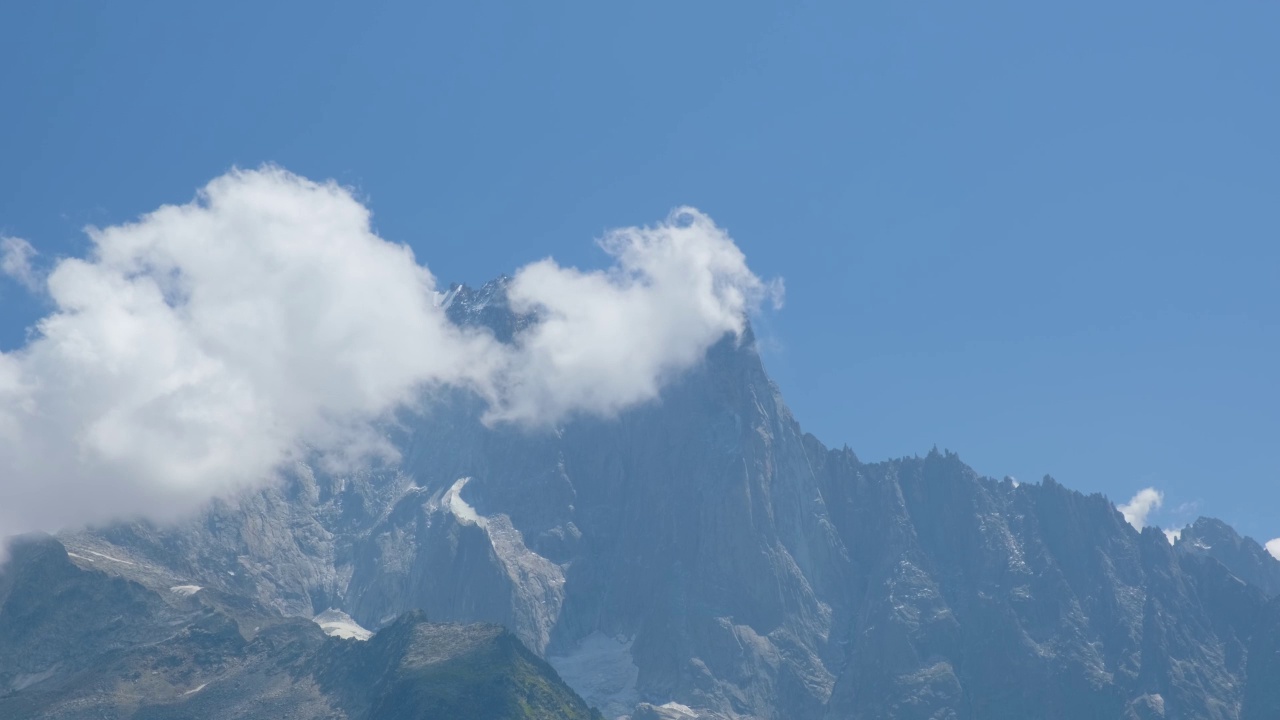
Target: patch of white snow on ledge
x,y
108,557
186,590
444,299
336,623
460,508
195,690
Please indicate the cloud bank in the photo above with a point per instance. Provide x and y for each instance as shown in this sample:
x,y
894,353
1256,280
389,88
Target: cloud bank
x,y
200,349
1140,506
1273,547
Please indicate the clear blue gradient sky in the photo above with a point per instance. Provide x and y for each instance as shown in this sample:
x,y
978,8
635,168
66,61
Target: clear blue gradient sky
x,y
1046,236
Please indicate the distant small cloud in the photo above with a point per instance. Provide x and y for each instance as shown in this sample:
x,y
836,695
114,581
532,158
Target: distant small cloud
x,y
1273,547
15,261
1173,535
1140,506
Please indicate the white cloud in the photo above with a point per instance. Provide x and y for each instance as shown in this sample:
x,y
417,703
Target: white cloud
x,y
607,340
199,349
1173,535
1273,547
1140,506
15,261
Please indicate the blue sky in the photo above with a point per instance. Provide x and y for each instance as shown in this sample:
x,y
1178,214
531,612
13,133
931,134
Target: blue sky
x,y
1044,237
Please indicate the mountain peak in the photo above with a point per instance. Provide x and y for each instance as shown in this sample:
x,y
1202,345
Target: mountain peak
x,y
1243,556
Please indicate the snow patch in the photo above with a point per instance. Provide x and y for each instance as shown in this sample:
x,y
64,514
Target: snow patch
x,y
684,711
336,623
603,672
108,557
186,590
444,299
195,690
460,508
23,681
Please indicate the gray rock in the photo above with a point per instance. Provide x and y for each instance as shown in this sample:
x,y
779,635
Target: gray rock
x,y
706,552
1244,557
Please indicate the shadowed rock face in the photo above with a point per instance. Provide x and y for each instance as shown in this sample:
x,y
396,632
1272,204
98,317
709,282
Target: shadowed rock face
x,y
1262,693
77,643
703,553
1243,556
1032,601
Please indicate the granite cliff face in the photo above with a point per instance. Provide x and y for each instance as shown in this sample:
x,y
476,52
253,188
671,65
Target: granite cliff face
x,y
1262,693
1243,556
702,556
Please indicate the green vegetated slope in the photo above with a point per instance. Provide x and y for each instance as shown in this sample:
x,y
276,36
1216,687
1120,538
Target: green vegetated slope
x,y
417,669
78,643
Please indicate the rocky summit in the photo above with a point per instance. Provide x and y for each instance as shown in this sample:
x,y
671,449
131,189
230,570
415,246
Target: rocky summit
x,y
696,557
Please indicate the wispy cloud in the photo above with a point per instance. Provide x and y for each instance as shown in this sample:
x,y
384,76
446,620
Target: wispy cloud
x,y
15,261
199,349
1273,547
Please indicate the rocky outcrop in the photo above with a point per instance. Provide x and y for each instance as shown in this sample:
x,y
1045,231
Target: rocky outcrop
x,y
1244,557
80,643
1027,601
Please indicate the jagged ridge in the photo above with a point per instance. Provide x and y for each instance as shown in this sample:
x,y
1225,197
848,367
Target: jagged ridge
x,y
703,550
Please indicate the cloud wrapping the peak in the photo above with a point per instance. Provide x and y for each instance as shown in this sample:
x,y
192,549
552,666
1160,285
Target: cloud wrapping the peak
x,y
606,340
1273,547
1140,506
201,348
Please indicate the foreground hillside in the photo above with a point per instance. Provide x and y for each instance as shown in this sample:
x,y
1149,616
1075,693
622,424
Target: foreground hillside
x,y
79,643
